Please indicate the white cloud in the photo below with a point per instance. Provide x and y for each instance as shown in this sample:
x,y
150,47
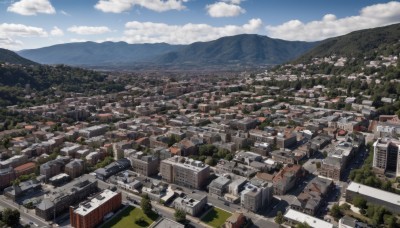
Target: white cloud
x,y
237,2
88,30
119,6
369,17
11,30
149,32
31,7
56,31
75,40
223,9
8,43
64,13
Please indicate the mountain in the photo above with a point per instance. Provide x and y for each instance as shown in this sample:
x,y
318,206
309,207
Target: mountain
x,y
243,49
12,57
368,42
91,53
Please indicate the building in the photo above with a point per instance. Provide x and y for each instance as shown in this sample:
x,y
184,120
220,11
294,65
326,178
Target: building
x,y
167,223
349,222
51,168
93,131
75,168
183,171
256,195
146,165
310,200
284,156
218,186
91,212
192,204
25,169
390,201
337,160
113,168
286,140
386,155
59,179
293,217
61,198
236,220
287,178
16,191
7,175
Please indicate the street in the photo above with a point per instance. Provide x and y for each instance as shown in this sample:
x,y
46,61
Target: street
x,y
26,216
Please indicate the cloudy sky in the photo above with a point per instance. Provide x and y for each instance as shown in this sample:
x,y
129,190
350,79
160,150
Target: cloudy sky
x,y
37,23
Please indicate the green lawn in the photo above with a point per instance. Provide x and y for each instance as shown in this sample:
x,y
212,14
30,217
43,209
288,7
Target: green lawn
x,y
216,217
128,217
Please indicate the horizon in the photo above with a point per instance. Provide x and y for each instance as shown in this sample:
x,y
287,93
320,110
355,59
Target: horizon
x,y
31,24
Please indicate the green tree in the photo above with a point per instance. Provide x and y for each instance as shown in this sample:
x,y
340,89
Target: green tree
x,y
335,211
11,217
145,204
360,202
279,218
390,221
303,225
180,216
210,161
345,207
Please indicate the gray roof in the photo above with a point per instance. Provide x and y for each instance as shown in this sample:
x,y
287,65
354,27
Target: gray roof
x,y
385,196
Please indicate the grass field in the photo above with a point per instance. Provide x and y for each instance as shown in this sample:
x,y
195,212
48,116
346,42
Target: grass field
x,y
128,217
216,217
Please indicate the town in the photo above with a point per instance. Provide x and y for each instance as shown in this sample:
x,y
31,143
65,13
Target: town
x,y
233,149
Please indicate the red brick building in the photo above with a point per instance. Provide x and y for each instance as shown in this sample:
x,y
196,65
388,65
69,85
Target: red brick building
x,y
91,212
25,169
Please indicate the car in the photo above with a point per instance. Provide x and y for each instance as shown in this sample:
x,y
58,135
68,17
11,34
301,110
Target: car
x,y
226,204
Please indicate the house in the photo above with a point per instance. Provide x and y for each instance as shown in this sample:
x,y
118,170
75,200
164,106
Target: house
x,y
287,178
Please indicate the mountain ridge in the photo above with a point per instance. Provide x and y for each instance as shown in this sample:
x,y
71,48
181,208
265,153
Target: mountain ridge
x,y
243,48
12,57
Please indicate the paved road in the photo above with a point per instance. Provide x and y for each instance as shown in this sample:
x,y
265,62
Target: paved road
x,y
26,216
160,209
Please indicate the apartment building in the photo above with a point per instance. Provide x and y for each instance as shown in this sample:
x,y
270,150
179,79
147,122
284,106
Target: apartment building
x,y
387,155
183,171
91,212
144,164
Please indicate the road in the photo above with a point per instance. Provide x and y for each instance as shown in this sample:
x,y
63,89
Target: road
x,y
160,209
26,216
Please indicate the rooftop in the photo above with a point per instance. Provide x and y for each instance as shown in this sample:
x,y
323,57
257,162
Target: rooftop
x,y
389,197
88,206
300,217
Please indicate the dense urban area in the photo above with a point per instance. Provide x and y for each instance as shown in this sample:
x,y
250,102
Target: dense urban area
x,y
313,142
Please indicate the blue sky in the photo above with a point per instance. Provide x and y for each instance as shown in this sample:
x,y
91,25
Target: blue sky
x,y
37,23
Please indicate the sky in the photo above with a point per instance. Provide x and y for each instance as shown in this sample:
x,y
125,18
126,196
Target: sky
x,y
27,24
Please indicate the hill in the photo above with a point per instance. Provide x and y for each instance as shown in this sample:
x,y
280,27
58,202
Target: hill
x,y
242,49
91,53
12,57
368,42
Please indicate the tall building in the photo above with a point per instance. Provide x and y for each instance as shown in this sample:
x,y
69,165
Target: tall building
x,y
183,171
256,195
387,155
144,164
91,212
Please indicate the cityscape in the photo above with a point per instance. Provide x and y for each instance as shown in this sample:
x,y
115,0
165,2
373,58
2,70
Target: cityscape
x,y
238,128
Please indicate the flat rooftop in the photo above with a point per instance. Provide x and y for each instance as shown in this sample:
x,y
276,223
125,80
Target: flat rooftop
x,y
385,196
88,206
300,217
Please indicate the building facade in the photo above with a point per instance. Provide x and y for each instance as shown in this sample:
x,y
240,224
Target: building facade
x,y
185,172
91,212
